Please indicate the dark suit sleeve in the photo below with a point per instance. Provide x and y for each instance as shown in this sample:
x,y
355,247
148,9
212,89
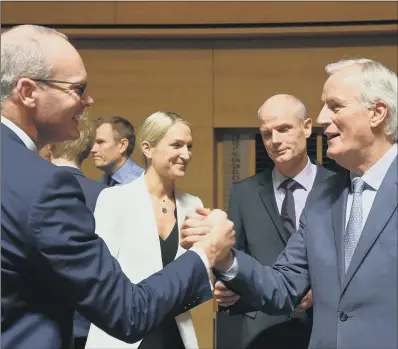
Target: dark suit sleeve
x,y
277,289
77,264
235,216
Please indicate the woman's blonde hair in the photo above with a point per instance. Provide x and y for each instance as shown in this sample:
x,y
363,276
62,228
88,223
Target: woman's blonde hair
x,y
155,126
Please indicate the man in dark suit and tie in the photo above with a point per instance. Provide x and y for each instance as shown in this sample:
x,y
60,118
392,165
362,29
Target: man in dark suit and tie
x,y
346,246
266,209
69,155
113,146
52,262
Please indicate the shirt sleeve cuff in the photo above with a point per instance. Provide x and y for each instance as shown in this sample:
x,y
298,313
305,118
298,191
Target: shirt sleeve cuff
x,y
231,273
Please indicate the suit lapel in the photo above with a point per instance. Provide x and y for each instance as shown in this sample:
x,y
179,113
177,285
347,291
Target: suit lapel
x,y
182,210
338,220
383,207
267,195
321,174
140,239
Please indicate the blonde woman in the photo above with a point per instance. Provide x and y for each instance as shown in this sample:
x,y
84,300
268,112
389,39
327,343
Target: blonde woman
x,y
140,223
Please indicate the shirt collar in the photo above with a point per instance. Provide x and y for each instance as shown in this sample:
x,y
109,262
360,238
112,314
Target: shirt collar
x,y
120,175
304,178
375,175
20,133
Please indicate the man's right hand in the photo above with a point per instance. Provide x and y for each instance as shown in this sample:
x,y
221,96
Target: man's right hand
x,y
215,238
224,296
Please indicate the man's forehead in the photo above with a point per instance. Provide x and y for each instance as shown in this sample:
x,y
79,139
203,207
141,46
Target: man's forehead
x,y
340,85
104,129
275,120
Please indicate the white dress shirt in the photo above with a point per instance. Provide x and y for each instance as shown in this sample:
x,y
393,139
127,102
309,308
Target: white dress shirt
x,y
20,133
306,180
373,179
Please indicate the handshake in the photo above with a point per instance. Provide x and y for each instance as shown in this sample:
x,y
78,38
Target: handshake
x,y
212,233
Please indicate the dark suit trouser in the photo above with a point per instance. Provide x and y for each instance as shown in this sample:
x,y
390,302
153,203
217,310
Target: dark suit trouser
x,y
288,335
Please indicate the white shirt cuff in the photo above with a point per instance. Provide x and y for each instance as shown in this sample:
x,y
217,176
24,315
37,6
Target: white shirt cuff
x,y
205,261
230,273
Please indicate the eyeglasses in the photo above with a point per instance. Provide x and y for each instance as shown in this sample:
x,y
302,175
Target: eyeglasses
x,y
80,87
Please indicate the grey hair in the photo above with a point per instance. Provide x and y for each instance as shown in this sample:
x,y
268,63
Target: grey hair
x,y
302,111
376,83
22,55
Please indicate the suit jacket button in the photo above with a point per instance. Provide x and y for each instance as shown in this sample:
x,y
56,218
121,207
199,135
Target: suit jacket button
x,y
343,317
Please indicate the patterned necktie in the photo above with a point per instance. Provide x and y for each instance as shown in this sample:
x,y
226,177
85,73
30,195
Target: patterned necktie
x,y
354,226
288,211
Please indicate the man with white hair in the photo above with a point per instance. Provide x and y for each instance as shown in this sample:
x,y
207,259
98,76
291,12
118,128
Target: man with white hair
x,y
346,247
52,262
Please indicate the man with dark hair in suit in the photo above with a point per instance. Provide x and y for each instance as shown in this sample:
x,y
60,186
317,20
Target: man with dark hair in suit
x,y
266,213
113,146
70,156
52,262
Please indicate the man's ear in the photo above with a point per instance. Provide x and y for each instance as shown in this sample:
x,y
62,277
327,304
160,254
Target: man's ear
x,y
124,143
379,114
307,126
27,91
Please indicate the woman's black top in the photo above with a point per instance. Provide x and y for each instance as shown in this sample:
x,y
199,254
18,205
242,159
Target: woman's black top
x,y
166,335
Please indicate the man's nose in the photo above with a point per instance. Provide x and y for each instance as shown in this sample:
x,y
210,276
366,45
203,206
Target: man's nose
x,y
276,138
324,117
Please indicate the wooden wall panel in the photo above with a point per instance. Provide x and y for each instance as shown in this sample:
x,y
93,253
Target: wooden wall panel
x,y
134,82
58,12
244,77
193,12
224,12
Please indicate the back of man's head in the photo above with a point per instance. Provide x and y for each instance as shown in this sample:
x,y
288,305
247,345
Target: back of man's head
x,y
79,149
122,129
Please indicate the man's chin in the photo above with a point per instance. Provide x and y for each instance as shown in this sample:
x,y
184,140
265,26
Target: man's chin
x,y
282,159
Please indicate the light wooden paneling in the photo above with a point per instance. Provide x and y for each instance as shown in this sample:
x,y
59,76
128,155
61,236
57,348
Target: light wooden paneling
x,y
193,12
58,12
244,76
222,12
135,82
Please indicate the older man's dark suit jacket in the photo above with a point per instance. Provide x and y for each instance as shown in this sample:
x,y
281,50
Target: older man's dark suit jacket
x,y
353,309
52,263
259,233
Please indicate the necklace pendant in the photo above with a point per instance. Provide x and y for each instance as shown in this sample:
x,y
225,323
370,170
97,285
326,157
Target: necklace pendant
x,y
164,210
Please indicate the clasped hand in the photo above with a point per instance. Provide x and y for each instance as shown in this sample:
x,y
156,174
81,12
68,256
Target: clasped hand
x,y
212,232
